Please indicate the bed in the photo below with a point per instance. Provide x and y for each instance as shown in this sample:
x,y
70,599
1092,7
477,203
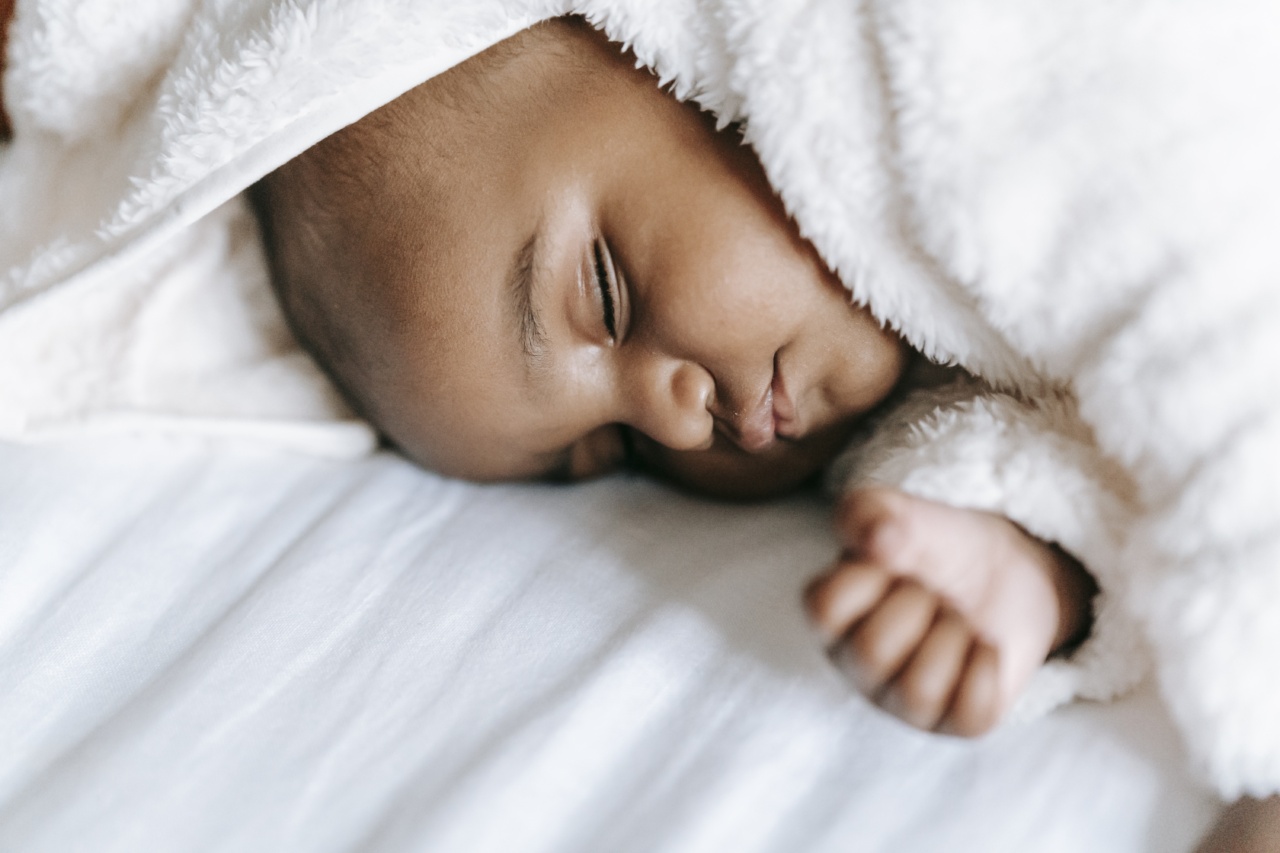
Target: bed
x,y
212,645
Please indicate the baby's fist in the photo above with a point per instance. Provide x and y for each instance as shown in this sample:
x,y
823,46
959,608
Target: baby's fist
x,y
939,614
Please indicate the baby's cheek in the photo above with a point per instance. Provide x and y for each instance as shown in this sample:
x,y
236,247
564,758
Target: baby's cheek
x,y
601,451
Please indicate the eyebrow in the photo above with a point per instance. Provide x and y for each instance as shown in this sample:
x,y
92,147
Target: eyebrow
x,y
520,285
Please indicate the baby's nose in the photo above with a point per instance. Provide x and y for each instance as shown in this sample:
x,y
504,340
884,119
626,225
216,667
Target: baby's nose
x,y
674,407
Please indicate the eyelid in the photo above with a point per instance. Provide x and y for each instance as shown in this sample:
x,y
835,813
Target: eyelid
x,y
604,285
615,284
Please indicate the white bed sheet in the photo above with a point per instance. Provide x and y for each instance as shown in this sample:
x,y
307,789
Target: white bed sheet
x,y
212,647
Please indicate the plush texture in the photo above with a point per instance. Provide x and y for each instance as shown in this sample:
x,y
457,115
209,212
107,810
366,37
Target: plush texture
x,y
1100,180
1075,202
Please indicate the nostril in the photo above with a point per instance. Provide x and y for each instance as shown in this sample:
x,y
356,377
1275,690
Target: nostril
x,y
701,405
690,429
671,402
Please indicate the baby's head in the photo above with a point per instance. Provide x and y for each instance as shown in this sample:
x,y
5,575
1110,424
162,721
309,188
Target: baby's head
x,y
539,264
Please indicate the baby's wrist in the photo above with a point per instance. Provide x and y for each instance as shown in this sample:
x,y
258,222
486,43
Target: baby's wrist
x,y
1075,588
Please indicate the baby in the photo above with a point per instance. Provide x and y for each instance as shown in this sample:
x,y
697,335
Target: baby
x,y
540,265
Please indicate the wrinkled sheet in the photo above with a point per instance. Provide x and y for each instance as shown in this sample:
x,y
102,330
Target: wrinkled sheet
x,y
216,647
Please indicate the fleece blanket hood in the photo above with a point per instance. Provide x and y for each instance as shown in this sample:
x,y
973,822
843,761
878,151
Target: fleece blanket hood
x,y
131,129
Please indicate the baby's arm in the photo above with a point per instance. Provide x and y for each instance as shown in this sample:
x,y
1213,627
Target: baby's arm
x,y
1007,461
1000,477
942,614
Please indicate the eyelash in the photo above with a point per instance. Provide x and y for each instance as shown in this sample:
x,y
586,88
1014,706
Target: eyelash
x,y
606,294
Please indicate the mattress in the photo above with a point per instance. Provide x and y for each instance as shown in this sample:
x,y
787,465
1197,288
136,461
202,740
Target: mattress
x,y
212,646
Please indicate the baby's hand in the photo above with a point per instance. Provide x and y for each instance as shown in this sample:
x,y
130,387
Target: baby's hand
x,y
941,615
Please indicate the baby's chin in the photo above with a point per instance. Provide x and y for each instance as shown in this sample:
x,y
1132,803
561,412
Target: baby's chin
x,y
729,473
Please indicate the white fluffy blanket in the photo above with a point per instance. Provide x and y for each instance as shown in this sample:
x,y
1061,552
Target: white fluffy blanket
x,y
1077,202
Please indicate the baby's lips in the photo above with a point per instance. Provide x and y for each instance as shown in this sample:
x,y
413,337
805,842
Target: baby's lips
x,y
754,433
787,422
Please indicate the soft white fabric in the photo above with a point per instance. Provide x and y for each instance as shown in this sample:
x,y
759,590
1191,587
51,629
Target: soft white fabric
x,y
119,153
206,648
1101,180
1074,201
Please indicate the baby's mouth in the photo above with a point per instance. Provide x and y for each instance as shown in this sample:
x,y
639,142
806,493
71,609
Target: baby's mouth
x,y
773,416
755,431
786,420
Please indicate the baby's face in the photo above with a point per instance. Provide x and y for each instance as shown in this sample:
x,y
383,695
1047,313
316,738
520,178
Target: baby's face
x,y
596,275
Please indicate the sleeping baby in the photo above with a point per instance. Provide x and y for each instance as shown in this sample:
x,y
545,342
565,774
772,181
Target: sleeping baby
x,y
540,265
1004,272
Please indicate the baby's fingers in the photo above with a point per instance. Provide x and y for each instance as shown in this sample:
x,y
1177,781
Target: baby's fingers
x,y
836,601
878,646
922,692
976,706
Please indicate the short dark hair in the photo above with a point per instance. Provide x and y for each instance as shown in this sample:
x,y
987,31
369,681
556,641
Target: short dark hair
x,y
300,210
315,213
